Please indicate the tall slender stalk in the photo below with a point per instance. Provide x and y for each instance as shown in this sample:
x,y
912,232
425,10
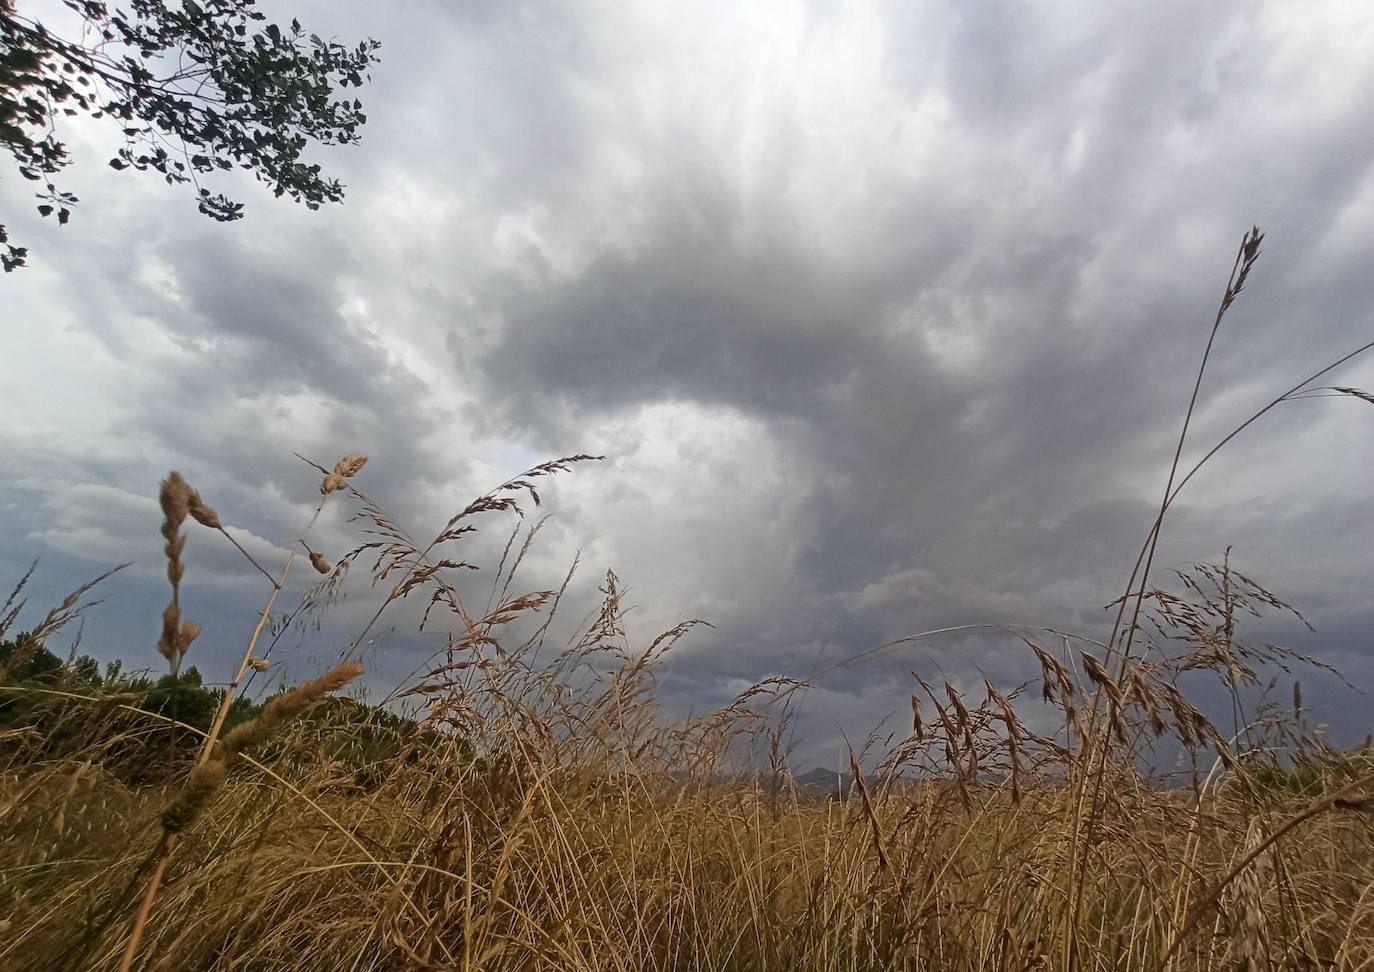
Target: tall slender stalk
x,y
1122,640
1246,255
167,842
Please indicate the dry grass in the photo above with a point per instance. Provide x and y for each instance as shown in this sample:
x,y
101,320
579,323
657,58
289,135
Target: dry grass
x,y
547,816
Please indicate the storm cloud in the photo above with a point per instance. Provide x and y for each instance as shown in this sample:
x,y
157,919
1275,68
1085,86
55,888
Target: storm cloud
x,y
884,315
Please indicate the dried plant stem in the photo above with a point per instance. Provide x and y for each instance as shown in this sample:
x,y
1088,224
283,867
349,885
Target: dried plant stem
x,y
245,663
1098,736
249,557
1245,259
162,853
419,560
1139,578
879,845
1353,794
1292,394
1289,396
1192,845
167,844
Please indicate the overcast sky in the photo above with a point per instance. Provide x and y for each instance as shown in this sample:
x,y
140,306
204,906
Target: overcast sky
x,y
884,315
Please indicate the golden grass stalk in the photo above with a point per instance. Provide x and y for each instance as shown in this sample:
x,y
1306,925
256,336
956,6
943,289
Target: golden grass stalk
x,y
1358,795
178,501
208,776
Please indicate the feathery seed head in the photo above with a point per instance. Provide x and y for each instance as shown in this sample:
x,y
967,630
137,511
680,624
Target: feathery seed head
x,y
175,497
178,500
187,634
204,780
203,513
287,706
171,633
344,469
350,465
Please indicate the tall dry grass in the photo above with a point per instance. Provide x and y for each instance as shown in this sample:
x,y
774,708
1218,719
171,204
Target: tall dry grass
x,y
546,815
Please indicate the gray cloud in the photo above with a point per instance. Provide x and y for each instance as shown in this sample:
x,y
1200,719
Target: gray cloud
x,y
885,318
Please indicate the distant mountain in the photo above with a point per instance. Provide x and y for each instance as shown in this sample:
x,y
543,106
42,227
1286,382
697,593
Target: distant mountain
x,y
827,780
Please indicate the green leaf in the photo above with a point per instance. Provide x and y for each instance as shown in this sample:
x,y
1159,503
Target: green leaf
x,y
259,99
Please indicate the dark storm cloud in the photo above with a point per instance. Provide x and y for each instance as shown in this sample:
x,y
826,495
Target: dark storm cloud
x,y
1013,486
886,318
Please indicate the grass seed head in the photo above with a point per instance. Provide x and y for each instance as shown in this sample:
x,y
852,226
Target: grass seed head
x,y
202,784
350,465
203,513
345,469
175,497
288,706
